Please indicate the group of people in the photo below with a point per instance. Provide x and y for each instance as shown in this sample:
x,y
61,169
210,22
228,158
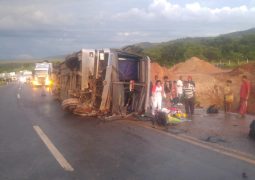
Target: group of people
x,y
244,96
173,93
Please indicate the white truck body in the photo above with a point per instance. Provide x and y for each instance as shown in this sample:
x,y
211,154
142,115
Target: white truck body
x,y
42,74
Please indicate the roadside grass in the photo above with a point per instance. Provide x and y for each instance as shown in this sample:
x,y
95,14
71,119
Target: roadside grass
x,y
12,66
2,83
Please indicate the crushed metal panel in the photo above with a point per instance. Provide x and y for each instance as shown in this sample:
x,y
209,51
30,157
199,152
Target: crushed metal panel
x,y
148,80
106,90
87,68
117,89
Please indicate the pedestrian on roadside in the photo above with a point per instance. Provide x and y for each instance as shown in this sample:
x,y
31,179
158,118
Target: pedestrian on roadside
x,y
167,91
151,87
179,85
190,80
157,94
174,97
189,97
228,96
244,95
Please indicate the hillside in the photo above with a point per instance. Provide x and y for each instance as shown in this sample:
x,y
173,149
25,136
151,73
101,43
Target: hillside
x,y
236,46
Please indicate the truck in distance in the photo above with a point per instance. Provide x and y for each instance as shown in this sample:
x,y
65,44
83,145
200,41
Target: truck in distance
x,y
42,74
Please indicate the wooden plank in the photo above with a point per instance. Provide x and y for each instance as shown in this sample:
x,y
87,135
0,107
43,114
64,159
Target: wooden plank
x,y
87,67
142,71
148,74
141,100
106,88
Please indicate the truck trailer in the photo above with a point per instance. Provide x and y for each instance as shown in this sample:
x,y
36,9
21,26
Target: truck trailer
x,y
103,81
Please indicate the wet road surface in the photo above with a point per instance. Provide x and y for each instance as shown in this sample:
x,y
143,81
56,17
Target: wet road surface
x,y
96,149
228,130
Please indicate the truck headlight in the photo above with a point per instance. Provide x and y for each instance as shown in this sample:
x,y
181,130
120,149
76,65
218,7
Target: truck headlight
x,y
48,81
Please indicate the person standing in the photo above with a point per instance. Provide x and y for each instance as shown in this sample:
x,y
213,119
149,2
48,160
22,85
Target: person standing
x,y
244,95
228,96
179,90
167,91
174,97
150,93
157,93
191,81
189,97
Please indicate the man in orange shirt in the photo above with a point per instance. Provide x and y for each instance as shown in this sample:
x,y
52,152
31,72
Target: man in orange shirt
x,y
244,95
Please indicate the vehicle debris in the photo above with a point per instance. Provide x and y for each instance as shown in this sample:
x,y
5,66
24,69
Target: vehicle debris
x,y
101,82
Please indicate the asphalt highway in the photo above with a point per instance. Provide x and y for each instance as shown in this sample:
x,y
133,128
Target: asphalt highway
x,y
38,140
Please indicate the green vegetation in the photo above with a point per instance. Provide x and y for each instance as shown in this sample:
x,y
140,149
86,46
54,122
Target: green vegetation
x,y
15,66
2,82
234,48
6,66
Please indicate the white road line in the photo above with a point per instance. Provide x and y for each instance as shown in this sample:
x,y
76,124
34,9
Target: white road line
x,y
18,96
54,151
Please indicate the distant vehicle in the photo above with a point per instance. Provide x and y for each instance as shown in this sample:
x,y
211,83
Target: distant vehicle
x,y
22,79
26,76
42,74
12,76
2,76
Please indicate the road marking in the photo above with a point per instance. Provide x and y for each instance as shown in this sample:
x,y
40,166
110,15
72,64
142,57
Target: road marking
x,y
54,151
219,149
18,96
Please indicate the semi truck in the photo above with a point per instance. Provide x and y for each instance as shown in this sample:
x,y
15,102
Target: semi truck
x,y
42,74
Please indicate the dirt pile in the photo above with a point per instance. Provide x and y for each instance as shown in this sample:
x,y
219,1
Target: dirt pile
x,y
160,71
236,77
248,69
210,80
195,65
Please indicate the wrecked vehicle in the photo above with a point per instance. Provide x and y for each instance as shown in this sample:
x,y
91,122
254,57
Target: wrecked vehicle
x,y
103,82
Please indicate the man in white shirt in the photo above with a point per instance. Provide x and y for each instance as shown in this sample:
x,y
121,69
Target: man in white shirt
x,y
179,89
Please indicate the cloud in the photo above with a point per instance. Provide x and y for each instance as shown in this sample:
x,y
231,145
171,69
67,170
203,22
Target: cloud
x,y
30,17
128,34
52,27
190,11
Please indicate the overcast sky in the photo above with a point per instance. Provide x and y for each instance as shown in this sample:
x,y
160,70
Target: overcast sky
x,y
42,28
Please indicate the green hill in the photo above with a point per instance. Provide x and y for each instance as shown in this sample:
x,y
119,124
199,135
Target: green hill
x,y
236,46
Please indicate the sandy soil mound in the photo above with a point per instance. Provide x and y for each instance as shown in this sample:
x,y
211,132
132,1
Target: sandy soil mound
x,y
195,65
210,80
248,69
160,71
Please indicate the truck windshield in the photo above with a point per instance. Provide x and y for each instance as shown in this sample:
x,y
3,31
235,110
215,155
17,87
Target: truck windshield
x,y
41,72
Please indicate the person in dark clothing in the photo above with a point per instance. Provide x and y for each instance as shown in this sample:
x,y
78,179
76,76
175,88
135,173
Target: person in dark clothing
x,y
167,91
191,81
174,97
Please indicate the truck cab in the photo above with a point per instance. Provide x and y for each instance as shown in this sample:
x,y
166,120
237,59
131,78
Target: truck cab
x,y
42,74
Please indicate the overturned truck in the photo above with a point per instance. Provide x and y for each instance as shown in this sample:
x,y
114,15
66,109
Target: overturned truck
x,y
103,82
